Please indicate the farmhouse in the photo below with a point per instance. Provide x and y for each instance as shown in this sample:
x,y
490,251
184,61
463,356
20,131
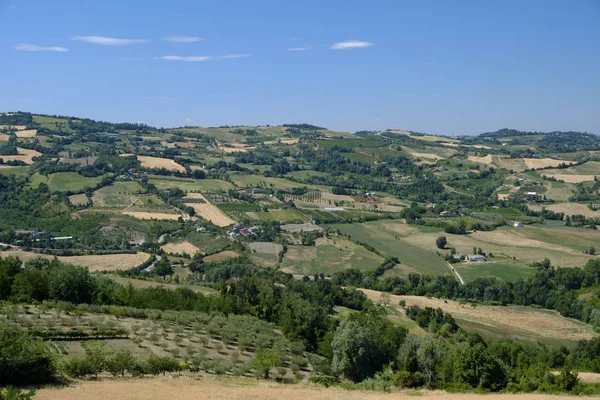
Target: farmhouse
x,y
476,258
518,224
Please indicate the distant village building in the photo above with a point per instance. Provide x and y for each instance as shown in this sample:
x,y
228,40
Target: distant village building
x,y
518,224
476,258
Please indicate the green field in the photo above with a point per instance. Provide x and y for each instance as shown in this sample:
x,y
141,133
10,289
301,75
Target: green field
x,y
18,171
188,185
65,181
119,194
208,244
381,236
334,255
502,268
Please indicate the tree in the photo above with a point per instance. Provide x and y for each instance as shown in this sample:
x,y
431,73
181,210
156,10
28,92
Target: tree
x,y
70,283
120,363
264,360
364,343
11,393
477,368
441,242
163,267
385,298
23,359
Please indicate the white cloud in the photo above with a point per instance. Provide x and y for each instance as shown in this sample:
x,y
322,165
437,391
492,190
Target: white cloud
x,y
108,41
188,120
233,56
33,47
298,48
187,58
201,58
183,39
350,44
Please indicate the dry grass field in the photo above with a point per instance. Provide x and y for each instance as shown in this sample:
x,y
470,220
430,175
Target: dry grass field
x,y
569,209
29,133
157,162
265,247
107,262
425,157
222,256
482,160
209,211
155,215
184,247
572,178
79,200
4,137
246,389
25,155
544,162
516,321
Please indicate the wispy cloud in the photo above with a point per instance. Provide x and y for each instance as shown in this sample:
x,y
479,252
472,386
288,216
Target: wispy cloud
x,y
350,44
33,47
183,39
188,120
201,58
298,48
187,58
108,41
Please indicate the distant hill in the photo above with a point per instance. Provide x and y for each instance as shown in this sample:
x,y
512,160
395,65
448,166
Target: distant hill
x,y
506,132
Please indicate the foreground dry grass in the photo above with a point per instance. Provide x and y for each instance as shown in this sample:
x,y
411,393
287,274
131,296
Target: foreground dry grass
x,y
187,389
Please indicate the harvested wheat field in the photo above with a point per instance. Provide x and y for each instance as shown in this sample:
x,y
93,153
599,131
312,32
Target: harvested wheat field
x,y
155,215
544,162
517,320
209,211
4,137
157,162
105,262
246,389
426,156
27,133
572,178
15,127
569,209
222,256
184,247
25,155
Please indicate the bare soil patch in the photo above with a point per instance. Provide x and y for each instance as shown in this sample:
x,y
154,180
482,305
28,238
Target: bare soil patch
x,y
246,389
79,200
542,323
184,247
106,262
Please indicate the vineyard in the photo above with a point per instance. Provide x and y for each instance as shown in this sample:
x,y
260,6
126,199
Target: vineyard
x,y
208,244
312,196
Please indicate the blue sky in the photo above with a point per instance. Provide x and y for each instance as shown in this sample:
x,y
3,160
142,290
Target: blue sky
x,y
450,67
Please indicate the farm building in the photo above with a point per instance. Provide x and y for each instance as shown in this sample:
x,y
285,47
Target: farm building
x,y
476,258
518,224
